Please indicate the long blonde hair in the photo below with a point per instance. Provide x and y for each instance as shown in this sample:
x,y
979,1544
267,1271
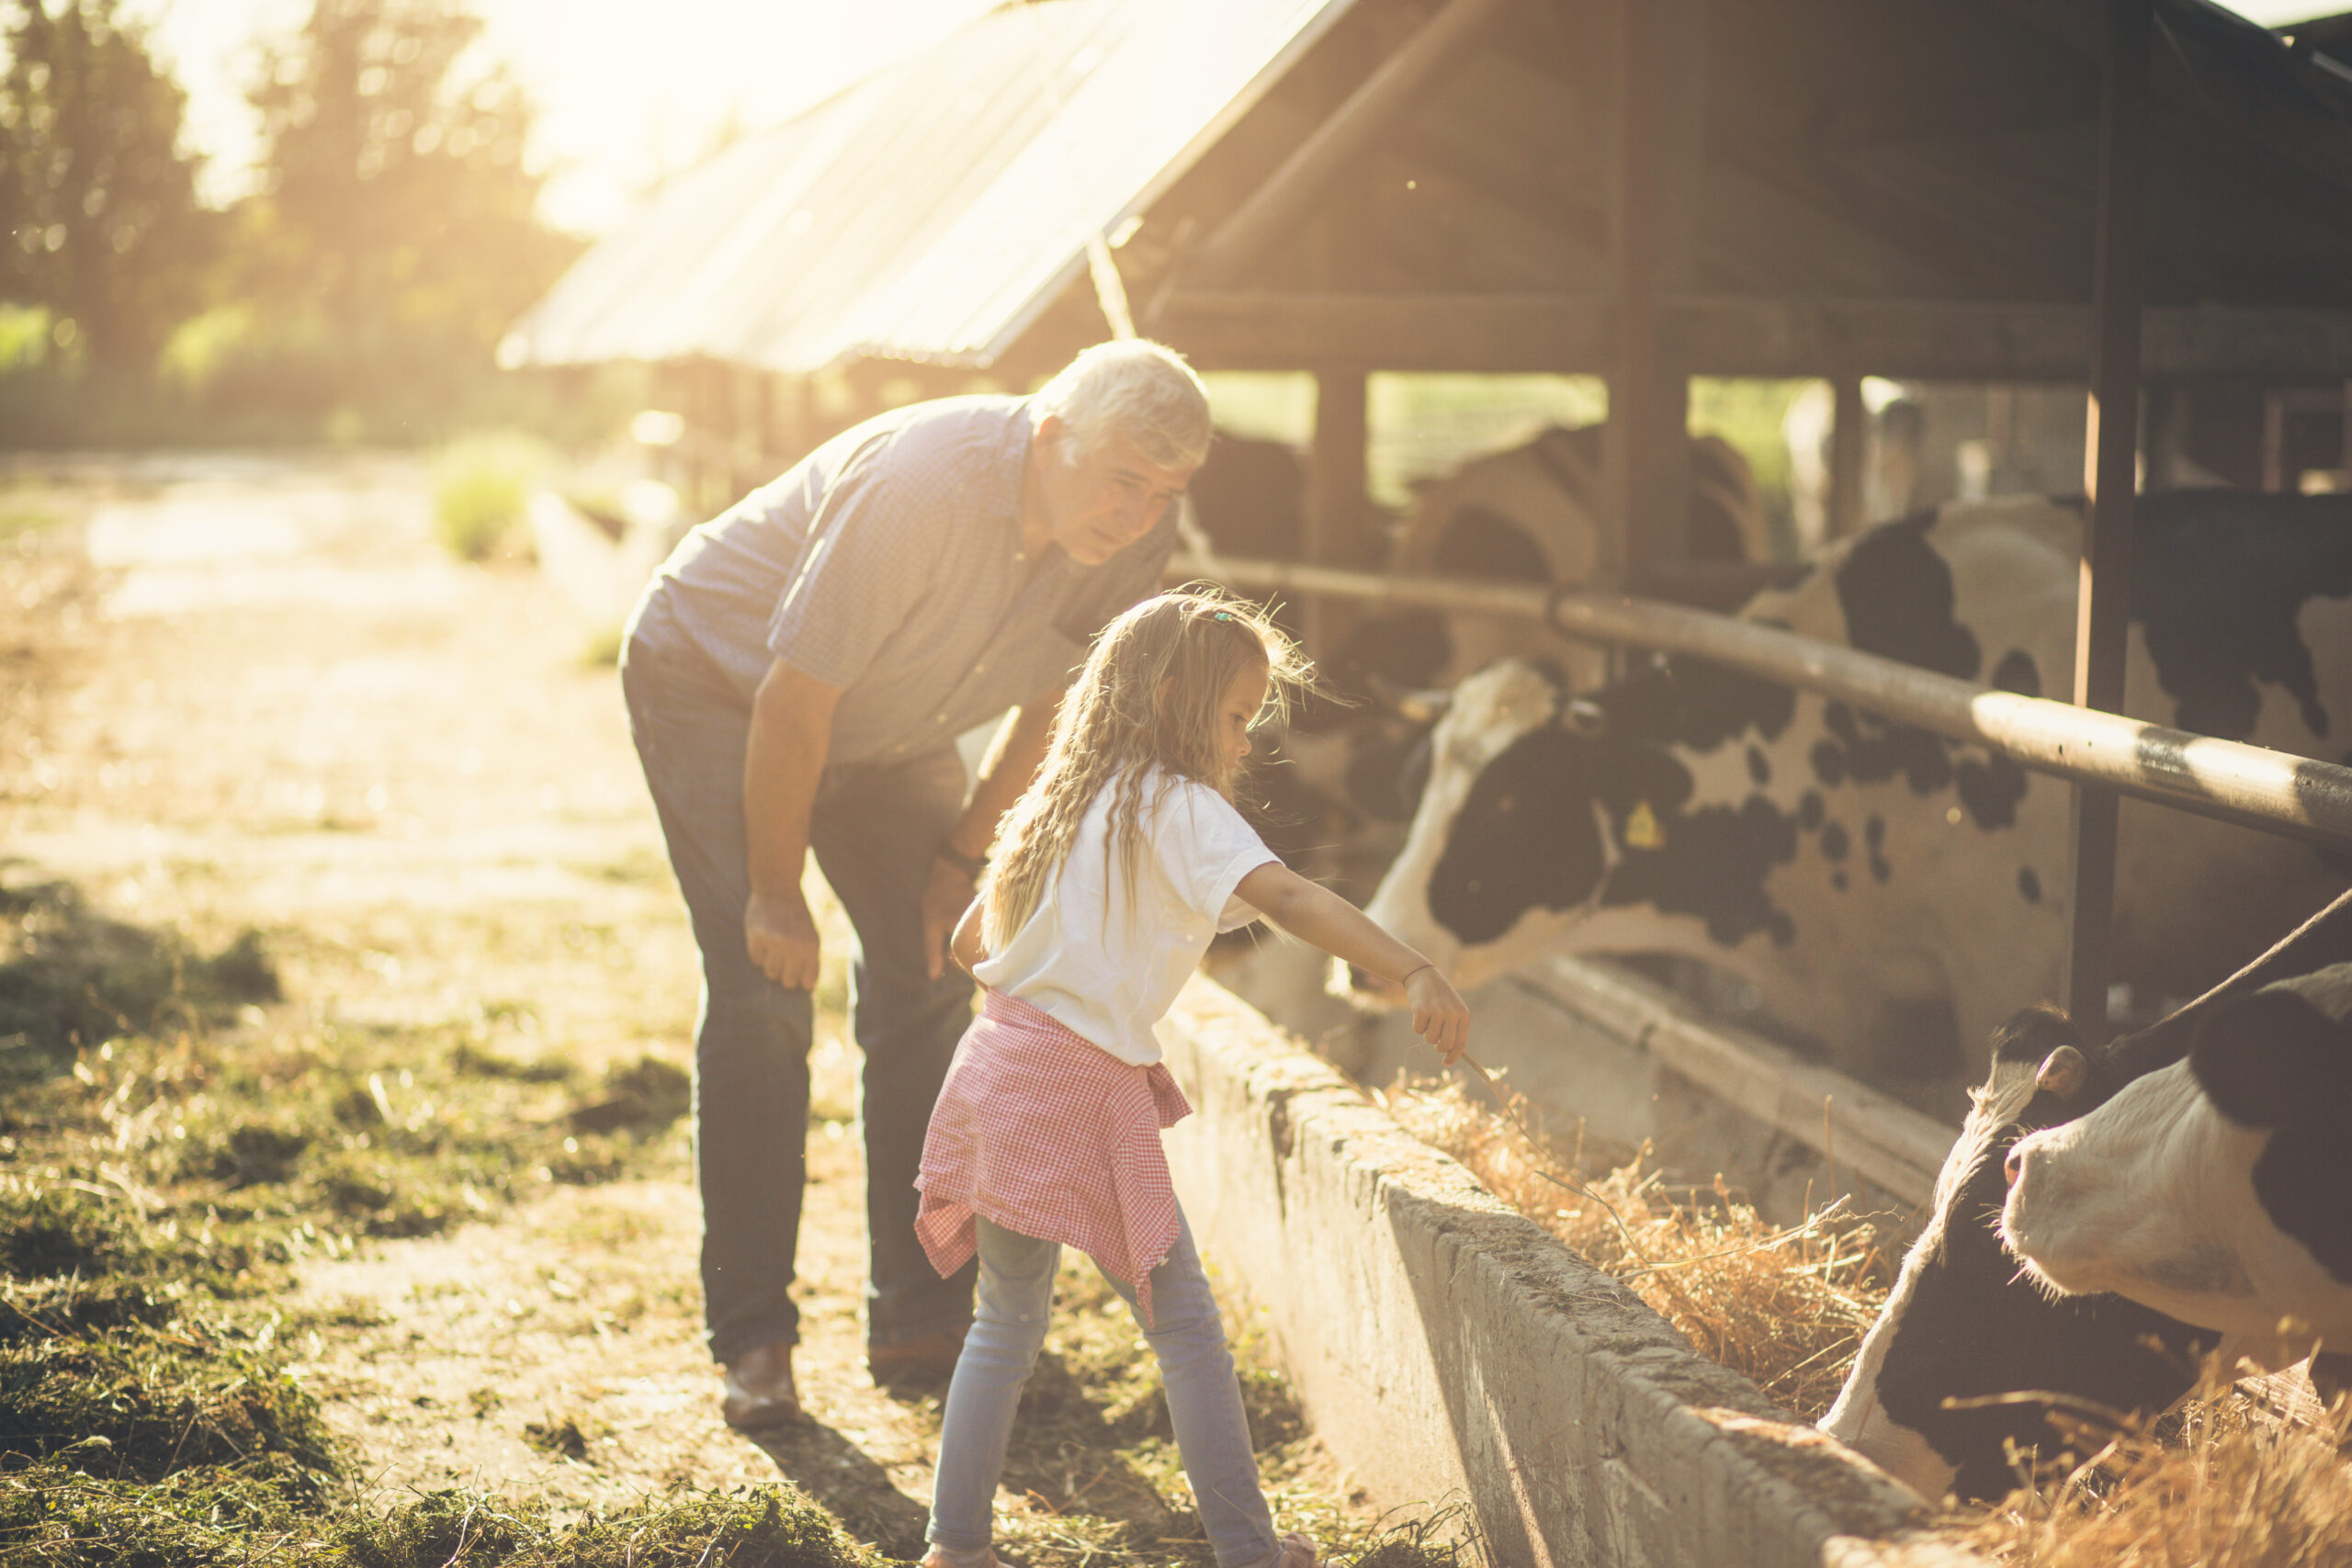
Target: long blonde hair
x,y
1115,723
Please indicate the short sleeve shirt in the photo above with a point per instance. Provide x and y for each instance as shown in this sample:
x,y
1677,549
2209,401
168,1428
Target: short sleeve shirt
x,y
1106,965
888,562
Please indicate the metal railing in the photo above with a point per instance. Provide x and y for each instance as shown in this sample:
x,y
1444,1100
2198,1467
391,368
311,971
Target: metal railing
x,y
2251,785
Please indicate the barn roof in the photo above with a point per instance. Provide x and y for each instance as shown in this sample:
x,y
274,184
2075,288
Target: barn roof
x,y
932,210
1899,186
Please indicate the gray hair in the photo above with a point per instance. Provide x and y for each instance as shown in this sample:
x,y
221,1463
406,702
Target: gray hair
x,y
1137,389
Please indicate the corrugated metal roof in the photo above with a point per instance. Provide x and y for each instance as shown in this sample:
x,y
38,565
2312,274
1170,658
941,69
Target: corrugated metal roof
x,y
931,211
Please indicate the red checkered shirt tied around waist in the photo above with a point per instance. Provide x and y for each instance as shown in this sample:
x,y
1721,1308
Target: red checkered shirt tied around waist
x,y
1049,1134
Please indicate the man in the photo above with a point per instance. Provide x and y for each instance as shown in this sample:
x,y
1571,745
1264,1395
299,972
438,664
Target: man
x,y
797,675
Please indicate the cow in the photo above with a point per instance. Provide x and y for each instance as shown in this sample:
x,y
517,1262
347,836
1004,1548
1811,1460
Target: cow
x,y
1891,893
1963,1325
1531,513
1534,513
2218,1188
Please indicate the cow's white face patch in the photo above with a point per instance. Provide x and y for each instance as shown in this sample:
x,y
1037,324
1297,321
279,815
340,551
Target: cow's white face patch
x,y
1490,711
2147,1197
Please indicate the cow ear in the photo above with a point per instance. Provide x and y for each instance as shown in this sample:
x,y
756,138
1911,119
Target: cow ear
x,y
2272,1058
2062,1072
2034,1034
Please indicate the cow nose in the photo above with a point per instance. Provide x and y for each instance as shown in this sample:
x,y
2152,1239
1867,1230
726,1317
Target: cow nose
x,y
2012,1165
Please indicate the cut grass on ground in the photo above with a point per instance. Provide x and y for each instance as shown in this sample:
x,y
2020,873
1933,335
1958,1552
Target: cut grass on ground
x,y
161,1184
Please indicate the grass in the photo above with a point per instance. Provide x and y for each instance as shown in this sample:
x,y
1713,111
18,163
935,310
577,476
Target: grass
x,y
166,1163
72,976
22,520
161,1183
481,485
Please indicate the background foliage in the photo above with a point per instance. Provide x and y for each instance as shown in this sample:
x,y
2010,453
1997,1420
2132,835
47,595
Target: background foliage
x,y
359,294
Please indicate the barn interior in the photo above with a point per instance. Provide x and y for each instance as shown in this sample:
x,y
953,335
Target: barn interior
x,y
1923,193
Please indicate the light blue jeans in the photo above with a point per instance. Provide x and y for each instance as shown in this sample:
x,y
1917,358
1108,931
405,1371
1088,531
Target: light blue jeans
x,y
1015,1297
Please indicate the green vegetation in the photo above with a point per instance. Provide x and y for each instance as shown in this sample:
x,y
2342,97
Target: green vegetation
x,y
158,1182
162,1178
482,486
360,291
71,975
1426,425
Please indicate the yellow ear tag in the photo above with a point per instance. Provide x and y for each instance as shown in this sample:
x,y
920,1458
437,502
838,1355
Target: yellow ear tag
x,y
1642,831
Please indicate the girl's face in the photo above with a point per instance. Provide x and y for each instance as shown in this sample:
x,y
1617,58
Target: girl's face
x,y
1236,710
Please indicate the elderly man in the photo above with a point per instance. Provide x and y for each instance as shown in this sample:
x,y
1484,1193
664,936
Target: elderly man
x,y
796,675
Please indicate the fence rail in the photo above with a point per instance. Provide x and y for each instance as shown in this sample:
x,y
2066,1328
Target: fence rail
x,y
2251,785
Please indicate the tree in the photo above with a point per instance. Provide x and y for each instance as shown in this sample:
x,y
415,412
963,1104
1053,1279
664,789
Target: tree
x,y
98,216
398,208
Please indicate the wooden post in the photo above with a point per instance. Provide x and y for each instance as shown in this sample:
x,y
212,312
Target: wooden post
x,y
2274,441
2159,455
2103,609
1660,56
1337,506
1849,445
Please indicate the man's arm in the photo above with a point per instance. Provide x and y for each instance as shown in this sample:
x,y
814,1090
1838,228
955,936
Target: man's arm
x,y
792,728
1012,761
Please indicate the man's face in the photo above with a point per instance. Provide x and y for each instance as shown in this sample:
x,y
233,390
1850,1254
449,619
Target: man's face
x,y
1097,503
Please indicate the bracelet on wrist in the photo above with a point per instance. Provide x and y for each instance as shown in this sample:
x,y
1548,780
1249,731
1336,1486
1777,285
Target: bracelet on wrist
x,y
1415,970
970,865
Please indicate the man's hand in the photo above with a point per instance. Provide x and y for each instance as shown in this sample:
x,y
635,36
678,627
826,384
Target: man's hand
x,y
782,938
945,899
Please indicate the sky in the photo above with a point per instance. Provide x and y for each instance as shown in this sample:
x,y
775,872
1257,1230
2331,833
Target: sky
x,y
628,90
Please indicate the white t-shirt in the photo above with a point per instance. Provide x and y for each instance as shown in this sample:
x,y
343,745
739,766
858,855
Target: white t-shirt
x,y
1111,979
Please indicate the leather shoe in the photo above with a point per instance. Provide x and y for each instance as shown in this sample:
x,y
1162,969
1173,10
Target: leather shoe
x,y
930,1359
758,1388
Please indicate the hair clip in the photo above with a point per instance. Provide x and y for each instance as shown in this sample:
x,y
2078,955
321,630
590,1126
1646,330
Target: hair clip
x,y
1222,616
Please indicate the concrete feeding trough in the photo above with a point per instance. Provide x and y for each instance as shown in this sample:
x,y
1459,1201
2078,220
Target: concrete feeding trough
x,y
1446,1348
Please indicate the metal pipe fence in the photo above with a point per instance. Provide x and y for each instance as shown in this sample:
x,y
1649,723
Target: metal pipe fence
x,y
2251,785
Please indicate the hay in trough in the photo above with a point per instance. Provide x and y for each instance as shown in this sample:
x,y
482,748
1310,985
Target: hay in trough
x,y
2225,1483
1785,1307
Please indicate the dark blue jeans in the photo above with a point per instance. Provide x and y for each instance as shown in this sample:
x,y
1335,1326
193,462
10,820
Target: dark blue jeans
x,y
874,831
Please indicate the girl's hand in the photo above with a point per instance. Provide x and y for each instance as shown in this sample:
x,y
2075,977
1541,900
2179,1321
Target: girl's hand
x,y
1440,1015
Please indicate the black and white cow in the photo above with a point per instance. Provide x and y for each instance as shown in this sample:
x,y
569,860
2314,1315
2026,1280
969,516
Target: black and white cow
x,y
1962,1322
2218,1188
1536,513
1888,893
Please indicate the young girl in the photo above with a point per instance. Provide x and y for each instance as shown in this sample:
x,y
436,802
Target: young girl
x,y
1115,870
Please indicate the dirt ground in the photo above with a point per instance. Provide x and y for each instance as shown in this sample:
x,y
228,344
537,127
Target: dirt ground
x,y
253,692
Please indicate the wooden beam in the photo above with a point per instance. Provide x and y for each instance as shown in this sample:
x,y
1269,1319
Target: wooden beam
x,y
1849,441
1655,175
1337,502
2103,605
1722,336
1395,87
1380,332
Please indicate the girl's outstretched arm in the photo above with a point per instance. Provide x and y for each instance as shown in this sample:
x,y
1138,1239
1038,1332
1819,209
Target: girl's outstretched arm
x,y
1319,915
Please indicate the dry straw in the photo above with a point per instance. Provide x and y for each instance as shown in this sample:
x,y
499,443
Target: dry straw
x,y
2238,1478
1786,1307
2230,1482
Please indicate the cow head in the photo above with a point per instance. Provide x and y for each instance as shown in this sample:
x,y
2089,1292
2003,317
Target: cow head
x,y
2213,1189
1506,832
1542,810
1961,1326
